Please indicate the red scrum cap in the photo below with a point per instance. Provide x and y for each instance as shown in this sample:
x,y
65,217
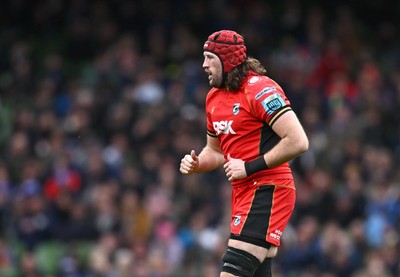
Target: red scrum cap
x,y
228,46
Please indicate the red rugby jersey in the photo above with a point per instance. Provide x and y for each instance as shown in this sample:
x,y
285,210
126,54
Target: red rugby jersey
x,y
242,121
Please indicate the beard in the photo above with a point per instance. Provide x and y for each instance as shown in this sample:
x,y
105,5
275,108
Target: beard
x,y
217,82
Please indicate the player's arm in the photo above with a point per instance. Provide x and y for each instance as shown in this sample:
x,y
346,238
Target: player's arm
x,y
210,158
293,143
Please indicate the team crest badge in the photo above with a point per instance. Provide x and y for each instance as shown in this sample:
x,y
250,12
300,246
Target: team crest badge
x,y
235,109
236,222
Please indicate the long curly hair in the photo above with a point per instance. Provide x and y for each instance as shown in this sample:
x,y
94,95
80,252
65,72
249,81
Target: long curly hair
x,y
234,79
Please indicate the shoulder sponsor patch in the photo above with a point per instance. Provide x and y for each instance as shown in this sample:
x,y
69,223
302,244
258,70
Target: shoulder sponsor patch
x,y
264,91
273,103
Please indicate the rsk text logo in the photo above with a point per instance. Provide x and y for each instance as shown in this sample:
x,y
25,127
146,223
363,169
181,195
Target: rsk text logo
x,y
223,127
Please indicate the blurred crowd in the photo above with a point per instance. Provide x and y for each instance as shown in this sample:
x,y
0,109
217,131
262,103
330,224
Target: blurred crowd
x,y
99,101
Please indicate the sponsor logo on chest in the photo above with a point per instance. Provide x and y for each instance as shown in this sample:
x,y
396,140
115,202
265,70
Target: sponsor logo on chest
x,y
223,127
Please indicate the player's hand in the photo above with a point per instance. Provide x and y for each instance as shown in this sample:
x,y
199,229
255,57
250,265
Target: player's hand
x,y
234,169
189,163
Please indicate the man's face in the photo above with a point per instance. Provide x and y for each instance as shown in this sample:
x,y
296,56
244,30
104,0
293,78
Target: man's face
x,y
213,67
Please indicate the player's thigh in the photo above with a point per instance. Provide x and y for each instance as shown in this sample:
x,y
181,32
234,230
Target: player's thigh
x,y
258,251
272,251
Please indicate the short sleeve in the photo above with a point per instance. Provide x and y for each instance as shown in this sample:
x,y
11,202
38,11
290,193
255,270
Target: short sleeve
x,y
269,102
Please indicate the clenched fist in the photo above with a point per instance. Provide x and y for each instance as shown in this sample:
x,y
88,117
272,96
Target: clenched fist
x,y
234,169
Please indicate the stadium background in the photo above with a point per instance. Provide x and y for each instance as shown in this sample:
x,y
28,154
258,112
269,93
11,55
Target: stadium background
x,y
99,100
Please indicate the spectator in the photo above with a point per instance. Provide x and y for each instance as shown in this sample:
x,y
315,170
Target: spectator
x,y
100,99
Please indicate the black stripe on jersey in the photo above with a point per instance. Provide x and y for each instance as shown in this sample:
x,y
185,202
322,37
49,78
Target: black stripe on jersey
x,y
278,114
211,134
268,139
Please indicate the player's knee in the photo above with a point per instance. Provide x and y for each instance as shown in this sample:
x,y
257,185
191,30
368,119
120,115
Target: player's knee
x,y
272,251
239,262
